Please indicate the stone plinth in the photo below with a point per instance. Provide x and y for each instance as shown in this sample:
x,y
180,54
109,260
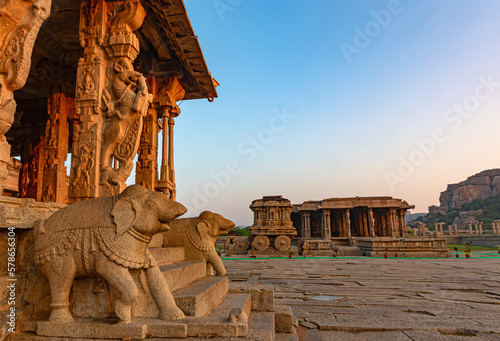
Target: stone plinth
x,y
22,213
404,247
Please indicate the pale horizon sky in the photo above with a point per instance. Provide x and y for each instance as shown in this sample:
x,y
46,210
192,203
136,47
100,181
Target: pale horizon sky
x,y
325,99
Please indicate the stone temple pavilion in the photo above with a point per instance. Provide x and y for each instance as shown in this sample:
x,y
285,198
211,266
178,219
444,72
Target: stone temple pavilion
x,y
351,217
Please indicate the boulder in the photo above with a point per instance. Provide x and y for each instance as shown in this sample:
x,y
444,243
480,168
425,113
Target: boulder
x,y
479,186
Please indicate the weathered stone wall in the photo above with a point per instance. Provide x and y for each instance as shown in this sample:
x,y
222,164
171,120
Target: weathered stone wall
x,y
20,214
491,241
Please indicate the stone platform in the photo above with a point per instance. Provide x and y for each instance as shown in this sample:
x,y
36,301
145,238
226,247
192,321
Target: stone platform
x,y
404,247
384,299
213,309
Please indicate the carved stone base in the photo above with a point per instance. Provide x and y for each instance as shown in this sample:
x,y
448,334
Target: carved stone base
x,y
22,213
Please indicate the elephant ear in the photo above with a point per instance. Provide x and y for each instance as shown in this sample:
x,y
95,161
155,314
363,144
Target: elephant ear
x,y
125,213
203,228
200,238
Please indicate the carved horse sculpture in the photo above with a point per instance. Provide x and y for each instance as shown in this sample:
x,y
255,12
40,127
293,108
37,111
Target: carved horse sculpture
x,y
107,237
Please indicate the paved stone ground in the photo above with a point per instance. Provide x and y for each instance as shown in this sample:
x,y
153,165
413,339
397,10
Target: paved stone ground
x,y
383,299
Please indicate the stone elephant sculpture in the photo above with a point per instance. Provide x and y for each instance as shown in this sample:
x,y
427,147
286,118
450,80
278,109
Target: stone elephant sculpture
x,y
197,236
106,237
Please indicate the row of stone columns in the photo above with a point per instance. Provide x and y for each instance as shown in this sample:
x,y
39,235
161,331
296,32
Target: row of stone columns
x,y
392,223
478,227
44,176
495,226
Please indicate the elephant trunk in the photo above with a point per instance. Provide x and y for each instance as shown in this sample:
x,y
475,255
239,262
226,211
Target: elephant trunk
x,y
173,211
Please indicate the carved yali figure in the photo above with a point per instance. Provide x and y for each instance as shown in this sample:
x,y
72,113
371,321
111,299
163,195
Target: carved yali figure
x,y
126,102
107,237
198,236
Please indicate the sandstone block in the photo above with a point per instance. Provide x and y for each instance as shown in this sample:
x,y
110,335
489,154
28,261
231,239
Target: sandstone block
x,y
262,295
283,319
92,330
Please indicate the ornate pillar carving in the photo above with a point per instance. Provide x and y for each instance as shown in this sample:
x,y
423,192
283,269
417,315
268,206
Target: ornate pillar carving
x,y
54,181
111,99
31,172
371,223
404,230
325,225
146,171
348,223
306,225
20,22
392,224
168,91
366,228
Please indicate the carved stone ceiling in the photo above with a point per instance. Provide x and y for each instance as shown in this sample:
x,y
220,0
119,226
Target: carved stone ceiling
x,y
169,46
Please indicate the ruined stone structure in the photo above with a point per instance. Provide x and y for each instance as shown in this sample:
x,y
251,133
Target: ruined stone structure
x,y
272,229
99,80
103,80
351,217
330,226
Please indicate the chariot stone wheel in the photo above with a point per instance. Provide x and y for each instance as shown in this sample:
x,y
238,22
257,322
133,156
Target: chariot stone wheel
x,y
261,243
282,243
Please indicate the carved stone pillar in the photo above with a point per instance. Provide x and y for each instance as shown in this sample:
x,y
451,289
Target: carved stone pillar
x,y
371,223
306,225
54,182
111,99
173,190
168,91
366,224
348,223
403,224
31,172
470,227
325,225
476,226
20,22
146,171
390,215
481,228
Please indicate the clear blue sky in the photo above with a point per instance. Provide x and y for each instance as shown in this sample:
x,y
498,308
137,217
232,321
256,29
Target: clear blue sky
x,y
339,98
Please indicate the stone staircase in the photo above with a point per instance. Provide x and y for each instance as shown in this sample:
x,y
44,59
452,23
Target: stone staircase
x,y
213,307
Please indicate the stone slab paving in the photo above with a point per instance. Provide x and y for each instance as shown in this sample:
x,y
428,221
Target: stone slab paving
x,y
383,299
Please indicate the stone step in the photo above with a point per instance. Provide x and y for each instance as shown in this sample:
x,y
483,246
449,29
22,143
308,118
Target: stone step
x,y
286,336
261,326
216,325
180,275
202,297
167,255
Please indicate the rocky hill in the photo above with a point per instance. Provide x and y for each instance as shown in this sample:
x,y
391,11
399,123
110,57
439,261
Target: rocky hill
x,y
483,185
477,198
